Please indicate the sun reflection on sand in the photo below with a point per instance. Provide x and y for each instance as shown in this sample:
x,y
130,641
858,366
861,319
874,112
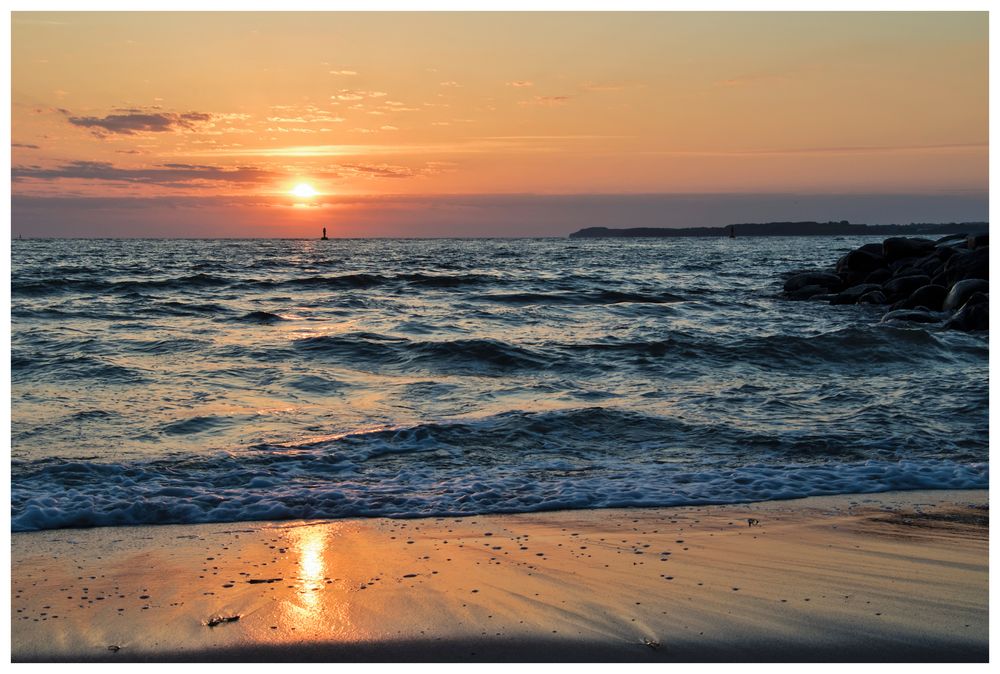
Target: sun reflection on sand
x,y
313,607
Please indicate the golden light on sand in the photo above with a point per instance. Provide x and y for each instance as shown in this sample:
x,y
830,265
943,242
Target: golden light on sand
x,y
304,191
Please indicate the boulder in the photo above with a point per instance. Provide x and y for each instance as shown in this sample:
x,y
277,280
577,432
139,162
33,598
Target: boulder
x,y
854,293
899,247
976,241
967,264
806,292
952,239
974,315
962,291
879,276
904,285
813,278
861,260
911,315
930,296
873,297
944,252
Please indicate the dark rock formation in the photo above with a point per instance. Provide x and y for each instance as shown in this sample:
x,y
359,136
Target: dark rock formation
x,y
929,296
911,315
899,247
919,280
854,293
962,291
974,315
810,278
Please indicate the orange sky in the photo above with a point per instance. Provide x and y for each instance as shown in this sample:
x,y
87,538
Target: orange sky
x,y
246,106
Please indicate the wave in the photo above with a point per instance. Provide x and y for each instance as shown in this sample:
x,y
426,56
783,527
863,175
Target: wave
x,y
508,463
260,317
61,285
468,356
580,298
71,367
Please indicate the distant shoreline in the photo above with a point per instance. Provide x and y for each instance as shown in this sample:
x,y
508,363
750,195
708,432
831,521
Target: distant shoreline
x,y
606,233
804,228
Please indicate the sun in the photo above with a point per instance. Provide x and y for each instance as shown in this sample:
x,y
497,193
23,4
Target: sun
x,y
304,191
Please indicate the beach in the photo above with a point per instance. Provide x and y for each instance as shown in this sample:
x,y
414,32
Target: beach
x,y
898,576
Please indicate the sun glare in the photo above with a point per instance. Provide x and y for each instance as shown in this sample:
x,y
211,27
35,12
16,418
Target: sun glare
x,y
304,191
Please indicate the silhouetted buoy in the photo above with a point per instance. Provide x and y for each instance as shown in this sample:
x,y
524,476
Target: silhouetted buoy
x,y
324,235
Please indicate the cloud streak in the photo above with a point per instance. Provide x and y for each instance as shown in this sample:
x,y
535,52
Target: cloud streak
x,y
547,101
132,122
846,149
164,175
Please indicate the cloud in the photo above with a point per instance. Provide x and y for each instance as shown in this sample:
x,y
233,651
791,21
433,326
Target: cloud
x,y
547,101
305,119
26,146
520,84
450,83
486,144
379,170
133,121
389,127
842,149
348,73
164,175
353,95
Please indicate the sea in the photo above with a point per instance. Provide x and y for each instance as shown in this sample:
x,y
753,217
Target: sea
x,y
189,381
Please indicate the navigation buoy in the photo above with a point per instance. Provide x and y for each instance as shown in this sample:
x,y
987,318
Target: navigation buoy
x,y
324,235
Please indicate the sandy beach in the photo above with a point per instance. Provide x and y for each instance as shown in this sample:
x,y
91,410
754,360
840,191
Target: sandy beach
x,y
887,577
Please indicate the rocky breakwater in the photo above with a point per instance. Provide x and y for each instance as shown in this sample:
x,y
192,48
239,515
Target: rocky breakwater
x,y
919,280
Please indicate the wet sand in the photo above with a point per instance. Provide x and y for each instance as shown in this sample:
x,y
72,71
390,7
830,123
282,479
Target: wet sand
x,y
886,577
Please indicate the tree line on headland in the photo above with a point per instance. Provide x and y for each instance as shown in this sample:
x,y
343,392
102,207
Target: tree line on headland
x,y
807,228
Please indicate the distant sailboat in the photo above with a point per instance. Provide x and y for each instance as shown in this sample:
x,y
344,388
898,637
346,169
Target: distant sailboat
x,y
324,235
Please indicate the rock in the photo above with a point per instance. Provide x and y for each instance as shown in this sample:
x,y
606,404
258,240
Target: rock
x,y
904,285
221,619
911,315
808,292
854,293
879,276
962,291
976,241
818,278
944,252
952,238
873,297
900,247
861,260
967,264
930,296
974,315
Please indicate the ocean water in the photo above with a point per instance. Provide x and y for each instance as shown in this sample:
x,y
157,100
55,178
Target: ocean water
x,y
202,381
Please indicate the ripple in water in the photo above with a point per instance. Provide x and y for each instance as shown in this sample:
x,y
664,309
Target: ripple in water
x,y
200,381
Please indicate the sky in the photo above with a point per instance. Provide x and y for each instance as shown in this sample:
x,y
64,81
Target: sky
x,y
492,124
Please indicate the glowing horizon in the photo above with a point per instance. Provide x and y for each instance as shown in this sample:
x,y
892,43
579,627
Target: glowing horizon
x,y
239,105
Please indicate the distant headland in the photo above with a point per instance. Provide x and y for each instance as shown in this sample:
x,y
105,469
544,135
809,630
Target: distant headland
x,y
786,229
